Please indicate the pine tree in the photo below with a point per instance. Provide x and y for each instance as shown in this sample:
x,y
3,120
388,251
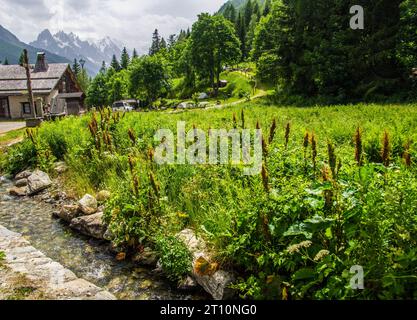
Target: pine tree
x,y
267,8
241,32
172,39
6,62
256,10
156,43
232,13
115,64
248,13
103,68
163,44
21,59
134,54
125,59
76,68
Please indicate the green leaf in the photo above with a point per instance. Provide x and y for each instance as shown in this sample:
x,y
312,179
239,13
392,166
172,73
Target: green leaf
x,y
305,273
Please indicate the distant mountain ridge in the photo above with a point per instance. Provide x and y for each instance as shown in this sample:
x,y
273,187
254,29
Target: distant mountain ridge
x,y
70,46
11,48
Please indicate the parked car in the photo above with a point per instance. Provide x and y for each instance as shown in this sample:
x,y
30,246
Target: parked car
x,y
127,105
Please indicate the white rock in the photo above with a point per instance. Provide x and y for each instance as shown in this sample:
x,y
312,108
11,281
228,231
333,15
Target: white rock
x,y
88,204
216,284
38,181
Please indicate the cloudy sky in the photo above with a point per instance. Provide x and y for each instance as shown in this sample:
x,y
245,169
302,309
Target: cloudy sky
x,y
129,21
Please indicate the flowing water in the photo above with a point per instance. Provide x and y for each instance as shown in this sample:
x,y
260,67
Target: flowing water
x,y
88,258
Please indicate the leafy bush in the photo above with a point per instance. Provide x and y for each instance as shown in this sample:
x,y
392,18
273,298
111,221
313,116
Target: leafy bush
x,y
176,260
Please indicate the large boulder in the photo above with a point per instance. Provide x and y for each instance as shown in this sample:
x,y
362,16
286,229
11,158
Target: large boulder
x,y
91,225
37,182
88,205
214,281
67,213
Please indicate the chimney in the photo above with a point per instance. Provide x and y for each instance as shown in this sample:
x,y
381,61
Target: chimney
x,y
41,63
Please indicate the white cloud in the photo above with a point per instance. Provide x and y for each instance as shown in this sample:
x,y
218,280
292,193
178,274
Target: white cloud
x,y
131,22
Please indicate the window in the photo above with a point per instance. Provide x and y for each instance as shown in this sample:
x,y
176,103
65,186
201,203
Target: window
x,y
26,108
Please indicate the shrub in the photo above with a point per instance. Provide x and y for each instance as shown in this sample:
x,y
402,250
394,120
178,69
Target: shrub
x,y
176,259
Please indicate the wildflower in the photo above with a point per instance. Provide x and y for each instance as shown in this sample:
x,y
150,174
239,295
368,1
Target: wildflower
x,y
295,248
321,255
332,158
287,134
272,131
132,135
386,149
265,178
314,150
358,146
406,154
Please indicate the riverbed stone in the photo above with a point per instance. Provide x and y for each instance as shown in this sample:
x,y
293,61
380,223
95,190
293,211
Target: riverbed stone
x,y
18,192
23,175
90,225
216,283
88,204
103,195
21,183
67,213
37,182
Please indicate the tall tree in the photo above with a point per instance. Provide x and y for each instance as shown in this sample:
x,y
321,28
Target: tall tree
x,y
172,39
124,59
115,64
103,68
163,44
156,43
97,95
149,78
213,44
21,59
248,13
6,62
134,54
267,8
241,33
76,68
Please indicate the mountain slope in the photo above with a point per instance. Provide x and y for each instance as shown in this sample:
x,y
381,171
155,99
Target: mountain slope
x,y
72,47
11,48
238,4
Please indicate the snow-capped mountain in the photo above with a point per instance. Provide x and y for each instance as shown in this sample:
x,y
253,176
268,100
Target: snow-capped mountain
x,y
72,47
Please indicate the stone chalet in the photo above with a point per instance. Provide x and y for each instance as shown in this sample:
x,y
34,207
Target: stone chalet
x,y
55,90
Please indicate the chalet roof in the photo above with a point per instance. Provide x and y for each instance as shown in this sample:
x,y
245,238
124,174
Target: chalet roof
x,y
13,79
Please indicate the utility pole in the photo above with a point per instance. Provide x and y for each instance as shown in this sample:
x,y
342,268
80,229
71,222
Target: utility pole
x,y
29,82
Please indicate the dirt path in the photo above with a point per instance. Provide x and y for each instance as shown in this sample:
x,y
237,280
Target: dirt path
x,y
11,126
